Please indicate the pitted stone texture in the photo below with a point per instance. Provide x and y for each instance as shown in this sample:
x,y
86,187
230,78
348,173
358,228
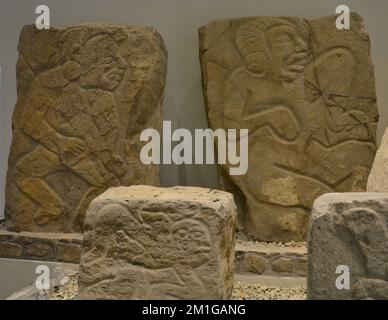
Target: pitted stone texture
x,y
378,177
349,229
85,93
306,92
144,242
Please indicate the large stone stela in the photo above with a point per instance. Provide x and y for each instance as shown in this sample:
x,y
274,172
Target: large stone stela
x,y
84,95
305,90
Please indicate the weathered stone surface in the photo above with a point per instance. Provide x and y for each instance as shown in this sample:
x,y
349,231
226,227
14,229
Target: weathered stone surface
x,y
10,250
144,242
68,253
306,92
255,263
349,229
263,258
300,267
64,247
39,250
378,177
84,95
282,265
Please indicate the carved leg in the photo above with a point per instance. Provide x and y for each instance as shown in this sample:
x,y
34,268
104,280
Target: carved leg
x,y
30,173
86,169
279,178
333,165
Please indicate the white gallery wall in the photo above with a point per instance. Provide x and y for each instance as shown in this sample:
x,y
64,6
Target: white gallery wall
x,y
177,21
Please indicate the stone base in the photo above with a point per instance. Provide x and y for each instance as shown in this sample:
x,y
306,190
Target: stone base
x,y
270,259
251,257
62,247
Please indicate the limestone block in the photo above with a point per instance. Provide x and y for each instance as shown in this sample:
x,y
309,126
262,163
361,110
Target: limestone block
x,y
282,265
351,230
10,250
84,95
67,252
305,91
300,267
145,242
39,250
255,263
378,177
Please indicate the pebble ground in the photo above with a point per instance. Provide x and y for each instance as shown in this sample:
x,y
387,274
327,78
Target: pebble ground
x,y
242,291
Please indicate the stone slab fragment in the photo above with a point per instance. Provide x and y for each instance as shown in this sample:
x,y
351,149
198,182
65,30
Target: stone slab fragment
x,y
306,92
85,93
351,230
144,242
378,177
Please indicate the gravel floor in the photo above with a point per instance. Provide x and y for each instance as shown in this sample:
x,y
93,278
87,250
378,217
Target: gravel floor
x,y
242,291
291,244
68,291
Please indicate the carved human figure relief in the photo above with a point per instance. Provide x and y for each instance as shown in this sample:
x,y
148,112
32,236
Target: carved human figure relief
x,y
158,243
299,91
170,253
74,127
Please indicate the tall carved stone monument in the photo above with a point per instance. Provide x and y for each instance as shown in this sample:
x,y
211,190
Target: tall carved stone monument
x,y
84,95
348,247
306,92
143,242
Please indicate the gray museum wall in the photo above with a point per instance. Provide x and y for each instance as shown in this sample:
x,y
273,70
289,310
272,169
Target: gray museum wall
x,y
177,21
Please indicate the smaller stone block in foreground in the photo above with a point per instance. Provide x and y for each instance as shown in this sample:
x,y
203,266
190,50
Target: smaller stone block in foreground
x,y
144,242
351,230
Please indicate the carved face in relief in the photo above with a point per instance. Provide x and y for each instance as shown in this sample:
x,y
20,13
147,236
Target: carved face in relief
x,y
249,43
288,51
104,64
192,241
185,242
276,47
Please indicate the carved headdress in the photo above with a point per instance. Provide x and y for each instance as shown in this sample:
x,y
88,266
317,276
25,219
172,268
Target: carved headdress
x,y
250,37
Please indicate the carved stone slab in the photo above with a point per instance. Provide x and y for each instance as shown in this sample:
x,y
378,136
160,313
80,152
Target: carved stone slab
x,y
306,92
144,242
349,229
84,95
378,177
